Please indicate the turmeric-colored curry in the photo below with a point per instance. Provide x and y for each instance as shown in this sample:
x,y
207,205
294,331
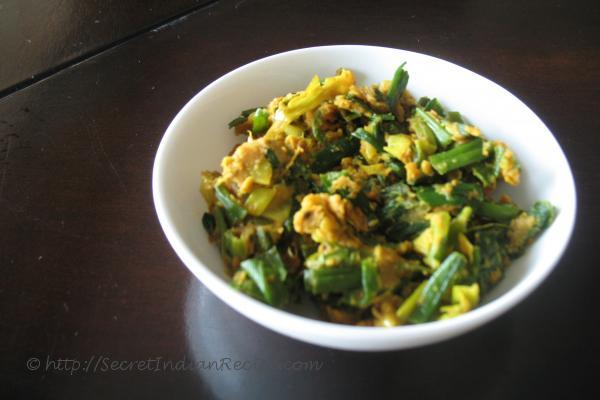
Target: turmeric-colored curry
x,y
381,208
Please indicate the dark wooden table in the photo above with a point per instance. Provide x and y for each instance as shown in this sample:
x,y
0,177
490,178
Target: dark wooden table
x,y
88,278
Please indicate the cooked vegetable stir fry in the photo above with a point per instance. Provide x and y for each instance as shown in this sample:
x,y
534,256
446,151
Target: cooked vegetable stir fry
x,y
379,207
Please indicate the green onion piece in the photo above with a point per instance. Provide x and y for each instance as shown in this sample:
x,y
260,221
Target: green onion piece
x,y
235,246
236,121
436,286
369,280
272,258
233,210
316,127
435,105
376,142
363,104
331,155
485,173
397,87
454,116
497,211
268,273
423,101
263,239
338,257
332,279
458,157
409,305
498,156
242,118
443,137
544,213
461,194
242,282
260,123
246,113
439,224
272,290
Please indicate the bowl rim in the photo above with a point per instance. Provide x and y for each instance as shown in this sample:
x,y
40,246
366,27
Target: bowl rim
x,y
364,338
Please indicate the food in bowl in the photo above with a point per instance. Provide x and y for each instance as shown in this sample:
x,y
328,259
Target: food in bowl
x,y
379,207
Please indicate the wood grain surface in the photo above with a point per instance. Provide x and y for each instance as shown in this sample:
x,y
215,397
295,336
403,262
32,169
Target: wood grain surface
x,y
87,274
38,38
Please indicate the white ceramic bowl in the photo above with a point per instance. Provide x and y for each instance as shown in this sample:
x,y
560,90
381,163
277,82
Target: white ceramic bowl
x,y
198,138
